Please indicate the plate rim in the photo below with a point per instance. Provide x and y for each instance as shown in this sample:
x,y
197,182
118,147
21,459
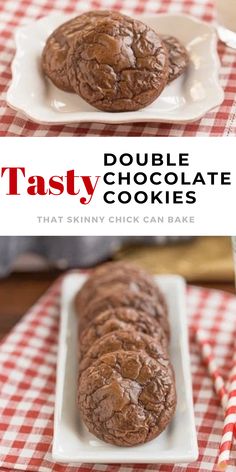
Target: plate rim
x,y
97,456
112,119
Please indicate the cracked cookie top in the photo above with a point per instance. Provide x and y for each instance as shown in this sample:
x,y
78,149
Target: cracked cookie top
x,y
119,64
121,273
127,398
129,340
117,319
178,57
121,296
55,52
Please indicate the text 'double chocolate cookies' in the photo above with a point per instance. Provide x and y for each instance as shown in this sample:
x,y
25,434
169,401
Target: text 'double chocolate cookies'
x,y
126,398
178,57
120,64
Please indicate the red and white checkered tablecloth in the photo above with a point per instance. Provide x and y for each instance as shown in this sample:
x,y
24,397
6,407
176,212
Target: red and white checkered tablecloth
x,y
27,383
13,13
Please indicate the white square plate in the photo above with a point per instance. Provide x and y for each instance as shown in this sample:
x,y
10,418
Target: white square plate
x,y
71,441
186,99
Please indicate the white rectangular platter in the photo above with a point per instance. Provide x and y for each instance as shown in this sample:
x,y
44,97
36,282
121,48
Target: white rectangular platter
x,y
72,443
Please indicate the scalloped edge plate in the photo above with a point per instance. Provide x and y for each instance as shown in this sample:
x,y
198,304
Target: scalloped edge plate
x,y
186,99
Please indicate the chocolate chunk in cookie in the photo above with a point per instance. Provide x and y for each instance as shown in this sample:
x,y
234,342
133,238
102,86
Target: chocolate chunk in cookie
x,y
127,398
120,64
178,57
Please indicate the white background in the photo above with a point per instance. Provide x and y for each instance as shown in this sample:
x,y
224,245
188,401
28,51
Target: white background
x,y
214,212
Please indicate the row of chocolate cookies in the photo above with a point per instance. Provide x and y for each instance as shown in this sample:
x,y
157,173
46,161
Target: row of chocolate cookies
x,y
126,387
112,61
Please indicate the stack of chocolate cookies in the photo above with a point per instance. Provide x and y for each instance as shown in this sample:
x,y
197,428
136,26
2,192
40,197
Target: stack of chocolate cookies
x,y
126,386
112,61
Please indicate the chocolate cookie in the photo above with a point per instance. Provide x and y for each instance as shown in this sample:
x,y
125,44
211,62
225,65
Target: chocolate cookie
x,y
178,57
129,340
120,296
114,273
117,319
120,64
55,52
120,266
127,398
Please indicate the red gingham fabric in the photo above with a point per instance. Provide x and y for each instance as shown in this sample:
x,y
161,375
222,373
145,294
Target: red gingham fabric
x,y
27,383
14,13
